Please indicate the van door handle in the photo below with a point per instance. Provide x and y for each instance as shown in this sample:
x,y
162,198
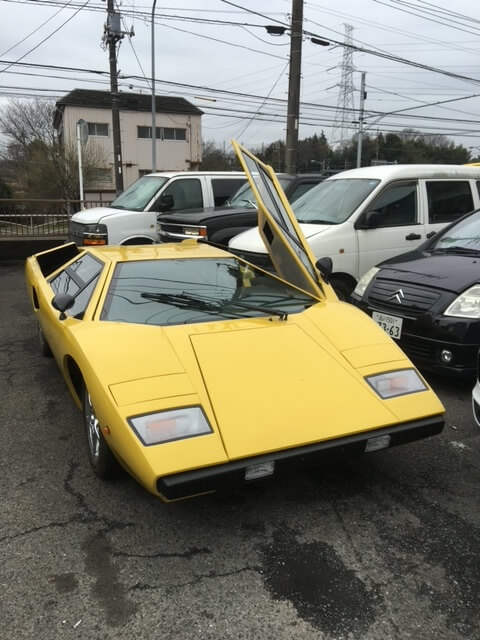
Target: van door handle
x,y
413,236
431,234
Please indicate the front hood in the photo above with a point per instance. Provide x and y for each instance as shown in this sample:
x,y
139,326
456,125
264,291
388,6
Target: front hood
x,y
197,216
256,401
447,272
251,240
96,214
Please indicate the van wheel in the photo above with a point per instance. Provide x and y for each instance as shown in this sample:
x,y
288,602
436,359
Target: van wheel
x,y
101,458
342,289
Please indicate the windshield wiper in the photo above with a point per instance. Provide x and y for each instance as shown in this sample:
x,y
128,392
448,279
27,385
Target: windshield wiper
x,y
184,300
458,250
243,202
316,221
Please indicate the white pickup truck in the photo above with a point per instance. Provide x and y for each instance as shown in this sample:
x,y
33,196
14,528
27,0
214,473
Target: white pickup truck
x,y
132,217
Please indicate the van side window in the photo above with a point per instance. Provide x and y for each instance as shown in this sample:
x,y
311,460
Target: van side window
x,y
397,205
448,200
186,194
223,188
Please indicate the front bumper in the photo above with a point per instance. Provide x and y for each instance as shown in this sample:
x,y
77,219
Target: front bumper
x,y
232,474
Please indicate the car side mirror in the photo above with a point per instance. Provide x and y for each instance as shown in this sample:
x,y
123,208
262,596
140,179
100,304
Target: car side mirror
x,y
165,202
372,219
325,266
61,302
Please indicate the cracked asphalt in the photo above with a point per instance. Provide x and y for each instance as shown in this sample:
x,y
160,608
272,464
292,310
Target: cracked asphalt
x,y
381,547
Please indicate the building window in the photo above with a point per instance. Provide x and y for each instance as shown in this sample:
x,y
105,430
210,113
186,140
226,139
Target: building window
x,y
162,133
100,175
174,134
98,129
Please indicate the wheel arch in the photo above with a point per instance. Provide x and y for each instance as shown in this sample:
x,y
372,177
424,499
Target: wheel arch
x,y
346,281
138,240
75,380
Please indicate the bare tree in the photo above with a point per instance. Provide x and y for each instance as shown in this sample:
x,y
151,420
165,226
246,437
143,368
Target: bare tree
x,y
34,162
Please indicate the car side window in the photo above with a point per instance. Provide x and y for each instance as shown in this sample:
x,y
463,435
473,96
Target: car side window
x,y
223,188
186,194
396,206
78,280
448,199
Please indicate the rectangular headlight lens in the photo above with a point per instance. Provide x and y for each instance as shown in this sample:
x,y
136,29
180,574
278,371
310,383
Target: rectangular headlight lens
x,y
166,426
396,383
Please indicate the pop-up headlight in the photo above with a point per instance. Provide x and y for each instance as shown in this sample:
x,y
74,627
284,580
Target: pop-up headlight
x,y
165,426
396,383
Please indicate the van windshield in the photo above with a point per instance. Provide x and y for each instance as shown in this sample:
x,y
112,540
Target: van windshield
x,y
139,194
333,201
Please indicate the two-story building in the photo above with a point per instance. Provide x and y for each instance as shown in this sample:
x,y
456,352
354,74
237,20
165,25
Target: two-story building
x,y
178,134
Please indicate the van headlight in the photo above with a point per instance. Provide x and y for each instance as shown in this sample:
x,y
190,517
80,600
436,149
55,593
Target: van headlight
x,y
467,305
396,383
165,426
94,234
365,281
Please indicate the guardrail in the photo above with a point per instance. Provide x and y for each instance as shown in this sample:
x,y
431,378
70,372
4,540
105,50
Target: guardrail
x,y
34,218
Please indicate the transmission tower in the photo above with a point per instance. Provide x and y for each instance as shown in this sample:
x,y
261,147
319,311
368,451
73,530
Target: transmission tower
x,y
344,114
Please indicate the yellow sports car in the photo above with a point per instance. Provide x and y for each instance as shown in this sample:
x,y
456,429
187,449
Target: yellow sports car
x,y
195,370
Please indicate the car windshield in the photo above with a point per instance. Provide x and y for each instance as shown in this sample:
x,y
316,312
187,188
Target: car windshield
x,y
189,291
333,201
244,197
463,237
139,194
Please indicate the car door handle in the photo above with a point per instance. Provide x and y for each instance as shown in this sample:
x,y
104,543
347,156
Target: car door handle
x,y
413,236
431,234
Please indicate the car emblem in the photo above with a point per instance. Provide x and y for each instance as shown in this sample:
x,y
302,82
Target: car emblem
x,y
397,295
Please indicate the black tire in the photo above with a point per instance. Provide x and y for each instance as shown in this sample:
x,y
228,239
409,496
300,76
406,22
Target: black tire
x,y
102,460
342,289
42,343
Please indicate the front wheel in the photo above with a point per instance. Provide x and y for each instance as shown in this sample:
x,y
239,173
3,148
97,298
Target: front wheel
x,y
101,458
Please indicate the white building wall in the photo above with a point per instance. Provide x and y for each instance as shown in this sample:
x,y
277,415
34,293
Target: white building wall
x,y
175,155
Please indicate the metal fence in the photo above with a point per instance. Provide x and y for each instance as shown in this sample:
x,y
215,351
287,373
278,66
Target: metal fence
x,y
34,218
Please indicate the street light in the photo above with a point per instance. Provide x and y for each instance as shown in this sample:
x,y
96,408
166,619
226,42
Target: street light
x,y
154,106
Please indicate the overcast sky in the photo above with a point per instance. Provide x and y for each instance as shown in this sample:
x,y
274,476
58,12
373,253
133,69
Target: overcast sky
x,y
224,61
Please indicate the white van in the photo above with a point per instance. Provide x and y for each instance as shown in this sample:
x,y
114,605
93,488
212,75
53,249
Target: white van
x,y
363,216
132,217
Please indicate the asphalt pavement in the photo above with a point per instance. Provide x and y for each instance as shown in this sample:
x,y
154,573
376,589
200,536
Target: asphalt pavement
x,y
382,547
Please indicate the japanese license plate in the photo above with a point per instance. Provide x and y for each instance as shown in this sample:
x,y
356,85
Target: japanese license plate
x,y
390,324
260,470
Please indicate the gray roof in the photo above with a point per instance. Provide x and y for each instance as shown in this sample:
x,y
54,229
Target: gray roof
x,y
127,102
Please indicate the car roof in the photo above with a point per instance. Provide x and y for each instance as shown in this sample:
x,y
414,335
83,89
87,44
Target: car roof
x,y
386,172
172,174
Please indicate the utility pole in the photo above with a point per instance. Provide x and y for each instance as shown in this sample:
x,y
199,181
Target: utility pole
x,y
363,95
112,34
154,104
293,109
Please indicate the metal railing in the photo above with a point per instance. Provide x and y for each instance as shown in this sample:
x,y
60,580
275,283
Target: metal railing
x,y
34,218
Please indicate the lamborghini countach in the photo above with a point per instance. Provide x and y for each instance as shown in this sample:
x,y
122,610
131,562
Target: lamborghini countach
x,y
197,370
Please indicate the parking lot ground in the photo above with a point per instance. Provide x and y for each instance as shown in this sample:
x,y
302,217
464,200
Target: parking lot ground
x,y
385,546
